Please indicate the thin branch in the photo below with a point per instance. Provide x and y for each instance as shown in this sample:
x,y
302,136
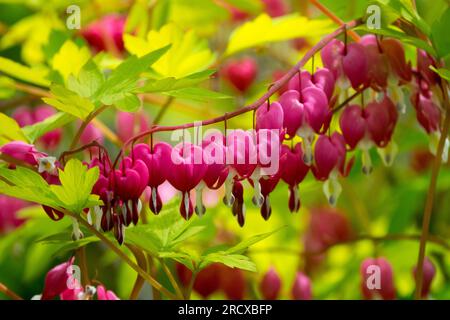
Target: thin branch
x,y
84,125
346,101
430,195
142,262
163,110
153,282
334,18
81,253
8,292
171,279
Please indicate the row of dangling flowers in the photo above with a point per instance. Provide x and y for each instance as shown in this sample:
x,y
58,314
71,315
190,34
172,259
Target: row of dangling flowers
x,y
375,67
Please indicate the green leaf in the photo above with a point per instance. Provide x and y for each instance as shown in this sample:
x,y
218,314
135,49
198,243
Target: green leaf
x,y
439,36
429,10
199,94
24,73
88,81
125,77
7,89
405,9
70,102
443,73
10,130
37,130
128,103
230,260
245,244
172,83
76,186
264,30
27,185
188,53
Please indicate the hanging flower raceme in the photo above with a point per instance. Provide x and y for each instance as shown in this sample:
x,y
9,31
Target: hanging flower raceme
x,y
373,125
185,171
306,113
330,154
293,171
155,158
377,279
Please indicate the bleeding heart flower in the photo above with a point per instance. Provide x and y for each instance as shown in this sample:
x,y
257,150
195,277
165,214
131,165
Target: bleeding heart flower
x,y
349,60
293,172
130,182
241,73
377,279
26,116
22,151
270,285
399,68
424,62
156,160
91,133
186,170
106,34
322,79
103,294
232,282
427,112
268,184
130,124
301,289
378,66
353,125
305,113
429,271
381,120
57,279
330,154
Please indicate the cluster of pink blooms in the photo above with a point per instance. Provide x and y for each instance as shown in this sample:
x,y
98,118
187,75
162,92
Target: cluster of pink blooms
x,y
61,282
375,66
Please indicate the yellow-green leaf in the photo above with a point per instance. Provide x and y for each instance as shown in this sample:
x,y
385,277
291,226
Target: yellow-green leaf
x,y
10,130
24,73
70,59
264,30
188,53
